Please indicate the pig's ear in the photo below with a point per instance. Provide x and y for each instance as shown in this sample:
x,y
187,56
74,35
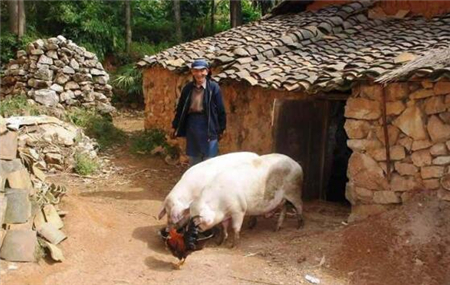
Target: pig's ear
x,y
162,213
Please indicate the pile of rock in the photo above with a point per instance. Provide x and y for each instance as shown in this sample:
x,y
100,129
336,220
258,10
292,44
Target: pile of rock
x,y
57,72
49,143
29,214
418,130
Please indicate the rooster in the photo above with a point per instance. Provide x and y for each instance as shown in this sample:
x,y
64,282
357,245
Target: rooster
x,y
182,242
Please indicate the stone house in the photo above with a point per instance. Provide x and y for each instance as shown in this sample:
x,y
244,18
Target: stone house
x,y
323,83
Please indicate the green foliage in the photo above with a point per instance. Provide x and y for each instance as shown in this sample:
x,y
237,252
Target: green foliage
x,y
148,140
98,127
249,13
85,165
10,44
127,83
18,106
99,25
128,78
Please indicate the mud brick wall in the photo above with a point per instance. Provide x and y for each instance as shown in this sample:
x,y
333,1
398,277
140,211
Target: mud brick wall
x,y
249,109
418,124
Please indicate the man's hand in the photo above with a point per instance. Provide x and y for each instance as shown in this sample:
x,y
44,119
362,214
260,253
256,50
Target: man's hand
x,y
174,135
221,136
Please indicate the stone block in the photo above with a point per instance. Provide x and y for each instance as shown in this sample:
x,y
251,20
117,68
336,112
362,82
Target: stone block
x,y
439,149
19,246
386,197
428,172
393,134
396,91
422,144
434,105
410,122
365,172
395,108
441,88
8,143
421,158
364,109
405,168
438,130
441,160
402,183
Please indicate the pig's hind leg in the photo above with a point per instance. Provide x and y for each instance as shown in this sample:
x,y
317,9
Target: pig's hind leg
x,y
296,200
281,217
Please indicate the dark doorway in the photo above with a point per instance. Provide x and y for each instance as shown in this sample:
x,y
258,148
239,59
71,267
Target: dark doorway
x,y
312,132
338,154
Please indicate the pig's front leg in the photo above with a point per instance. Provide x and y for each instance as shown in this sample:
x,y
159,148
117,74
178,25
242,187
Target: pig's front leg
x,y
224,232
236,222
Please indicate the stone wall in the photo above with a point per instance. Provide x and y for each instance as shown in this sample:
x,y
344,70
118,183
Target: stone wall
x,y
249,109
418,125
56,72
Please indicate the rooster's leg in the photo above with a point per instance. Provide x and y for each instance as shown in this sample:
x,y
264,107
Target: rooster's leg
x,y
180,263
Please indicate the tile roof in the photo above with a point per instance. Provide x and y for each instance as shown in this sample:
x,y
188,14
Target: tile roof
x,y
313,51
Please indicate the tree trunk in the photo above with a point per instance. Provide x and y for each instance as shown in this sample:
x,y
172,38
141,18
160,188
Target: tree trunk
x,y
22,18
13,7
235,13
213,11
128,25
177,12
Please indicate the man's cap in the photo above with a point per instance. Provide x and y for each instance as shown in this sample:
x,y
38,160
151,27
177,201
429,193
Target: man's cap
x,y
200,64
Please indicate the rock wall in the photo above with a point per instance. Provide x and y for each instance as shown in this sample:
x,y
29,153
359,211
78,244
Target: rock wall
x,y
418,125
29,203
56,72
249,109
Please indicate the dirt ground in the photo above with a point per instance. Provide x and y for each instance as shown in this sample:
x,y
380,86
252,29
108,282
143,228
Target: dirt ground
x,y
112,229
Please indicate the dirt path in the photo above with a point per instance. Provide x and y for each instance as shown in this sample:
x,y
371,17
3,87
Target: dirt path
x,y
112,229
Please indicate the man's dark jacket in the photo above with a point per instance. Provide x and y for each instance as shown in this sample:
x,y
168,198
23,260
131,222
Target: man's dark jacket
x,y
212,104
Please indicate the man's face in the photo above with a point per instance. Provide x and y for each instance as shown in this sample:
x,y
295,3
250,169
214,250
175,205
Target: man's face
x,y
199,74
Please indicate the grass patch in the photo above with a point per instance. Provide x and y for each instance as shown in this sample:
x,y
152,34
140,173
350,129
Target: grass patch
x,y
148,140
18,106
97,126
85,165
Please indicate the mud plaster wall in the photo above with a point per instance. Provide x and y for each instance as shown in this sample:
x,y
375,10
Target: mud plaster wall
x,y
418,122
249,109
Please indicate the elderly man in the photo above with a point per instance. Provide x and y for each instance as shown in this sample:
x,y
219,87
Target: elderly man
x,y
200,115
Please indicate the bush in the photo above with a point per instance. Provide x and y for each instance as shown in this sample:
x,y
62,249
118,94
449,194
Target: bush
x,y
127,83
18,106
96,126
149,140
85,165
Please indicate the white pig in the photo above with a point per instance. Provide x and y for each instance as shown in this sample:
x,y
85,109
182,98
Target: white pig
x,y
253,189
176,204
